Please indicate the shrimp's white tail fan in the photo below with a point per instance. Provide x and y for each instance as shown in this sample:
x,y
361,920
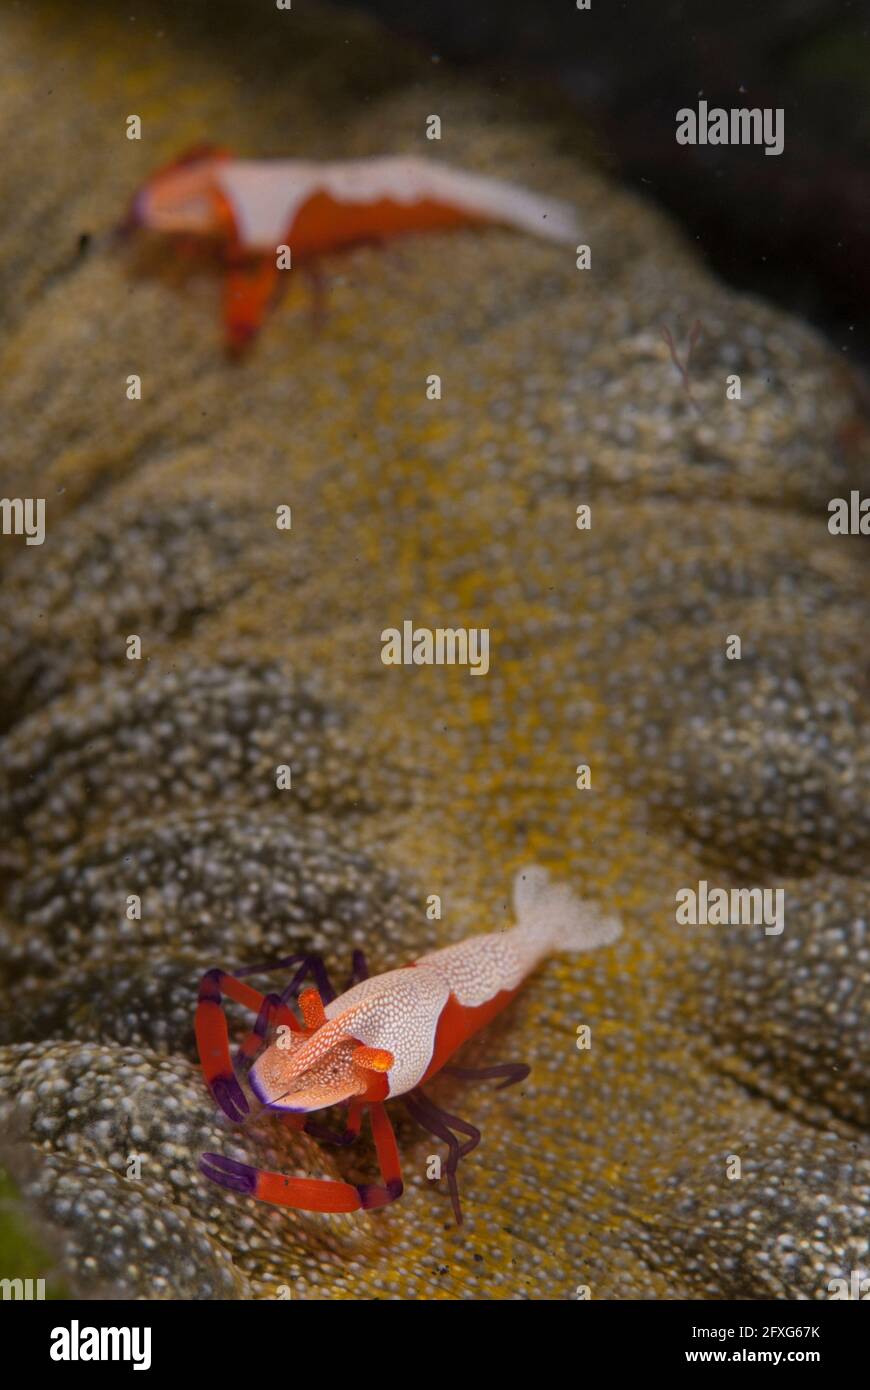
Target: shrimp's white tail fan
x,y
553,912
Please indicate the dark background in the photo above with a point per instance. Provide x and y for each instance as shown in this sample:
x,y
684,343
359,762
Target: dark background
x,y
794,227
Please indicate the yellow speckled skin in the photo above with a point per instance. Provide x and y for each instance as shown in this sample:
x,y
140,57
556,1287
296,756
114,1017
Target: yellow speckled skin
x,y
607,1168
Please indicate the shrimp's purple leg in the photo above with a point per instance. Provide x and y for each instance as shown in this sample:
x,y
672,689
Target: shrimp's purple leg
x,y
512,1071
334,1136
311,964
440,1123
359,969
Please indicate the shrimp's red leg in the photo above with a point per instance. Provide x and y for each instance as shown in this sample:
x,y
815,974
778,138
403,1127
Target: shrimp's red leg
x,y
254,1040
315,1194
388,1158
212,1036
248,291
291,1120
311,965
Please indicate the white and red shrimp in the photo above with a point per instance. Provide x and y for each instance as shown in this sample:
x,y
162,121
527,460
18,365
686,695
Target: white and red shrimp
x,y
386,1036
252,207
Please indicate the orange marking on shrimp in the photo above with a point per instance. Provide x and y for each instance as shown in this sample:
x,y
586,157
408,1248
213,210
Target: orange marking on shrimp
x,y
382,1038
374,1058
311,1005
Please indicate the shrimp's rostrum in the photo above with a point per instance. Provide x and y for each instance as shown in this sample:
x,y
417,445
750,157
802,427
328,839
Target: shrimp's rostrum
x,y
255,207
382,1038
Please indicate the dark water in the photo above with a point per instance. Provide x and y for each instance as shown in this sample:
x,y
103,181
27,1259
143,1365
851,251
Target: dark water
x,y
795,227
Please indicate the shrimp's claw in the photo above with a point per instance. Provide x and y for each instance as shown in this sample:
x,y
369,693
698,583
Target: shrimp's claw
x,y
315,1194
